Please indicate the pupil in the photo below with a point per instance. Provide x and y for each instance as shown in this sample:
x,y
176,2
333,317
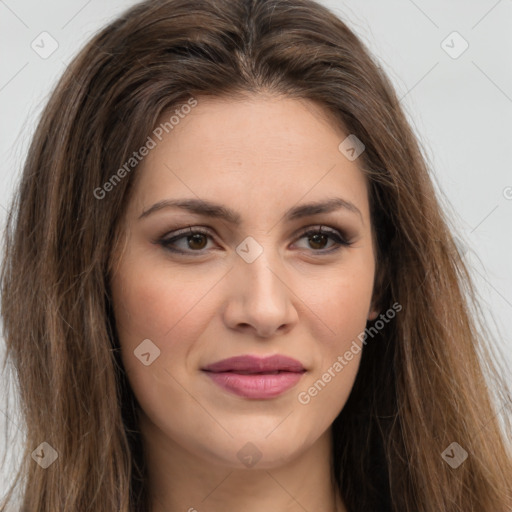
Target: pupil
x,y
315,238
195,239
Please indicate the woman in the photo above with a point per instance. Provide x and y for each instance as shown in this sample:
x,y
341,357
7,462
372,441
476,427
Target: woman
x,y
270,369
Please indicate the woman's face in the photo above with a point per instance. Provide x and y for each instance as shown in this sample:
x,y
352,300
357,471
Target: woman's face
x,y
250,285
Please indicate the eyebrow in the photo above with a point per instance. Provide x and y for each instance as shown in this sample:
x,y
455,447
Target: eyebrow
x,y
214,210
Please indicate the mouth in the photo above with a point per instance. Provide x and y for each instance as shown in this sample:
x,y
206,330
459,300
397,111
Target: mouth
x,y
255,377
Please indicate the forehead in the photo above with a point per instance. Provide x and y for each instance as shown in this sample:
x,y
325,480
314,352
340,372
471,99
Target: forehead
x,y
264,151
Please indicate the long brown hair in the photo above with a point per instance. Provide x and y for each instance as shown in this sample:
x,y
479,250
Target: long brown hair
x,y
427,380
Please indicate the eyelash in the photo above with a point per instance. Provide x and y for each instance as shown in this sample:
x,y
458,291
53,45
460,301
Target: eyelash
x,y
334,234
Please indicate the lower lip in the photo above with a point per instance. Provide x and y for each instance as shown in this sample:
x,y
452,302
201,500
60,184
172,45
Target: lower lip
x,y
257,386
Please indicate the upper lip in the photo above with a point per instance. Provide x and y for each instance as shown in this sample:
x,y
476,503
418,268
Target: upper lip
x,y
255,364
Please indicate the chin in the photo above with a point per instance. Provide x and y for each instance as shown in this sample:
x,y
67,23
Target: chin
x,y
256,452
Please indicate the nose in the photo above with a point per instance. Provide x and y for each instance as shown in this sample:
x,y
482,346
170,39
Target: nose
x,y
259,298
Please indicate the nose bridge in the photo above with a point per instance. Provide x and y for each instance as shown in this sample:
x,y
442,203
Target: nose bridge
x,y
259,268
258,295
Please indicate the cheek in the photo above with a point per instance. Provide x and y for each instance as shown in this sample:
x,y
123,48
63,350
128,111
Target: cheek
x,y
171,312
146,306
341,301
343,307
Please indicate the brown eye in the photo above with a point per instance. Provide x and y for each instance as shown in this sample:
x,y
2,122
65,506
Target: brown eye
x,y
318,238
195,241
191,241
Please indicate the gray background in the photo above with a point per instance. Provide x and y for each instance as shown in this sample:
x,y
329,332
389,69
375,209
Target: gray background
x,y
460,108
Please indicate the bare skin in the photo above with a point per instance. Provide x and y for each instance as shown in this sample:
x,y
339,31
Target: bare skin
x,y
259,157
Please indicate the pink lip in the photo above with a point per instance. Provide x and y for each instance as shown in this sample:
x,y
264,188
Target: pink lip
x,y
256,377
